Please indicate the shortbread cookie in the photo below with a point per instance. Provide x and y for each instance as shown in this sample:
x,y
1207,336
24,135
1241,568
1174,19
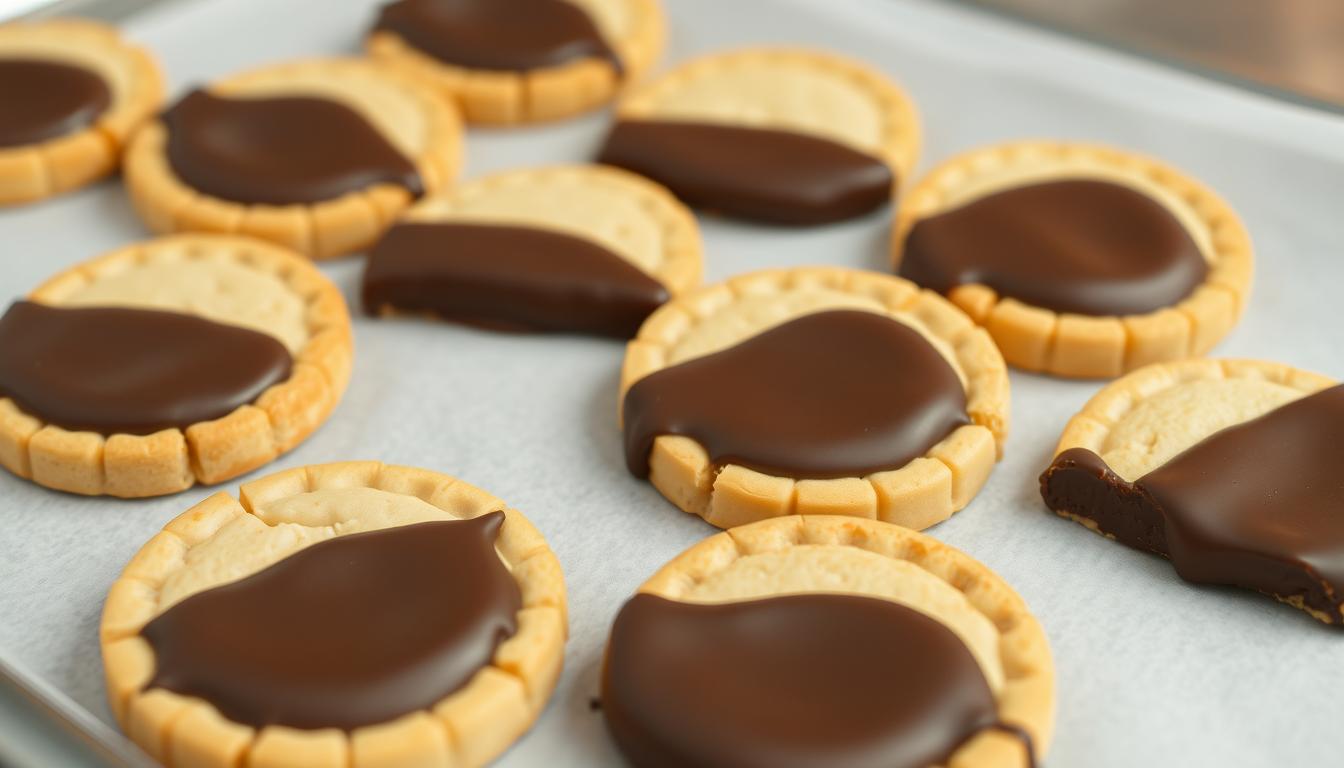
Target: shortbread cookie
x,y
1229,468
347,615
318,155
1081,260
777,135
814,390
521,61
72,91
185,359
585,249
808,641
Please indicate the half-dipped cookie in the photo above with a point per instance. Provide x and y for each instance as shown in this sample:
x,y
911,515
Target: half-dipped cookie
x,y
1081,260
776,135
71,92
814,390
186,359
520,61
811,642
336,615
583,249
318,155
1229,468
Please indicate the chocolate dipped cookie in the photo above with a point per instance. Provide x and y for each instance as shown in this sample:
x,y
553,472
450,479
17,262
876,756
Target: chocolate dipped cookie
x,y
319,155
186,359
520,61
71,92
814,390
1080,260
345,615
776,135
827,641
579,249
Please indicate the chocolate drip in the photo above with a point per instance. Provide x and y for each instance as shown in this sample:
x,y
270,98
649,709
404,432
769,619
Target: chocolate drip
x,y
1081,246
280,150
45,99
842,393
506,35
754,173
135,371
511,277
352,631
1259,505
796,681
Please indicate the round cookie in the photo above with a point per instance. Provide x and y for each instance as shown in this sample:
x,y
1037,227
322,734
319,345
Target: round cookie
x,y
568,248
348,614
73,91
505,62
186,359
814,390
779,135
827,641
318,155
1229,468
1081,260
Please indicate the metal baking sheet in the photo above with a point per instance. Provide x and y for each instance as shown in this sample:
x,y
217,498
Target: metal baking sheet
x,y
1151,671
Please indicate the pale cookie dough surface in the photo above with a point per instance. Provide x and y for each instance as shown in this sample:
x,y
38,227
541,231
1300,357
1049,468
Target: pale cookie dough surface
x,y
423,128
1137,423
784,89
67,162
1039,339
835,555
222,278
223,539
628,215
924,492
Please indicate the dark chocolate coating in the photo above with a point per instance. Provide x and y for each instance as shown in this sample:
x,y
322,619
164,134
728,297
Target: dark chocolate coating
x,y
510,277
505,35
1258,505
799,681
352,631
280,150
842,393
763,174
42,99
135,371
1081,246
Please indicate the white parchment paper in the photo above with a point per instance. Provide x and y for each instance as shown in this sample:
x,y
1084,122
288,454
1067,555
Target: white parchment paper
x,y
1151,671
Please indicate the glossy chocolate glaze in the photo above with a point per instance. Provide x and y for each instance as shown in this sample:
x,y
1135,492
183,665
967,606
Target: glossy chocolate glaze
x,y
506,35
1258,505
42,99
842,393
510,277
352,631
280,150
768,175
796,681
1081,246
135,371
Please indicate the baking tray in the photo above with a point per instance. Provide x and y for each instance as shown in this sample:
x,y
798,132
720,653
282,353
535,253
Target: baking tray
x,y
1151,671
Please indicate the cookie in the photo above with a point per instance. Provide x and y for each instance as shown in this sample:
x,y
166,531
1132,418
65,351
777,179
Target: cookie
x,y
808,641
73,91
814,390
521,61
349,614
1229,468
1082,261
776,135
585,249
186,359
317,155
